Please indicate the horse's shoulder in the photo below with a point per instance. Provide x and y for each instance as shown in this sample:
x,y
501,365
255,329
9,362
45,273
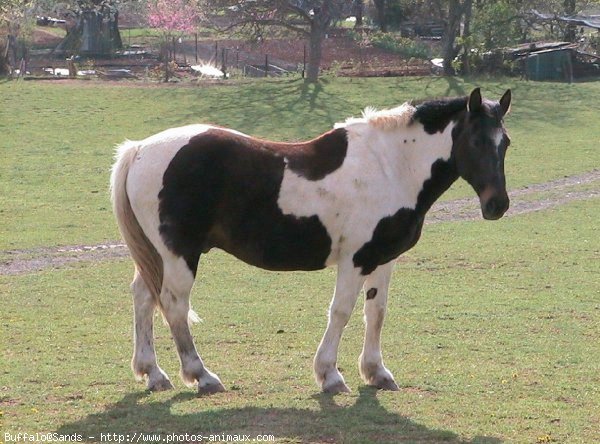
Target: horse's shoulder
x,y
319,157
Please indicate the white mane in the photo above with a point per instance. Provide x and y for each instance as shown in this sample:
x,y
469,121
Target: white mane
x,y
385,119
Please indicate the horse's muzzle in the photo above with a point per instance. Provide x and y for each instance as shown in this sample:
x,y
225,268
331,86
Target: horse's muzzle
x,y
493,204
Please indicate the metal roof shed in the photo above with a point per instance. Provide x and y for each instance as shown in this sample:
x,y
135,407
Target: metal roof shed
x,y
551,64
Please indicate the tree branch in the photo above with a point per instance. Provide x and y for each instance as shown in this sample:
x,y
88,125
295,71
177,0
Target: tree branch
x,y
298,10
266,22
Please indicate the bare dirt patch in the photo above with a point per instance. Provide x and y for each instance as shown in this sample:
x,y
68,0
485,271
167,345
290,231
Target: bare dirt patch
x,y
551,194
341,54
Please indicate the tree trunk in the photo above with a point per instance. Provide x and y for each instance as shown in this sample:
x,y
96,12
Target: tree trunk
x,y
450,33
10,54
381,18
318,28
358,13
95,34
466,58
166,58
314,53
570,30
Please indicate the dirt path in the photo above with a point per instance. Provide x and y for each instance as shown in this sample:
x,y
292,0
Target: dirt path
x,y
523,200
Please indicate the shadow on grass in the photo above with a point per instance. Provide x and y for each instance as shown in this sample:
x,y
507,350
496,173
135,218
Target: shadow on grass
x,y
365,421
294,107
453,86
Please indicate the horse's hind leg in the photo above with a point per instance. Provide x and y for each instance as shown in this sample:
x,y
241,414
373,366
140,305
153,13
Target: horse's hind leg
x,y
175,305
144,363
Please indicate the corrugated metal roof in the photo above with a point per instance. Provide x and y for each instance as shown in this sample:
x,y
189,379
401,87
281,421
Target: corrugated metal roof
x,y
538,47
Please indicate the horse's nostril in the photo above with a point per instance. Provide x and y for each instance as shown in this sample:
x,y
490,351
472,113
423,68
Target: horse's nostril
x,y
495,208
491,207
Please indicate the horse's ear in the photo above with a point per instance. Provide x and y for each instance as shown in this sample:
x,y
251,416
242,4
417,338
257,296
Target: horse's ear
x,y
505,102
474,104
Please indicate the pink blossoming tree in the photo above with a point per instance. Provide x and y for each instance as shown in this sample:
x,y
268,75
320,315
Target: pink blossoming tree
x,y
174,18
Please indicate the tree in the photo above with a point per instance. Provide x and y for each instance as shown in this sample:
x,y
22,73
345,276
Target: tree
x,y
96,31
17,18
570,30
380,6
309,18
358,8
450,50
172,17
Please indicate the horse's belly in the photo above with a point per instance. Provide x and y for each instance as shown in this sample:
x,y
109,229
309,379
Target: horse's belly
x,y
277,242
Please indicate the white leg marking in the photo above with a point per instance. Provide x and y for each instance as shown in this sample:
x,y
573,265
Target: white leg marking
x,y
347,287
144,363
371,365
175,301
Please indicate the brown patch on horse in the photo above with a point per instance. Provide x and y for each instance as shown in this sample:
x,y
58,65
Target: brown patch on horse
x,y
312,160
371,294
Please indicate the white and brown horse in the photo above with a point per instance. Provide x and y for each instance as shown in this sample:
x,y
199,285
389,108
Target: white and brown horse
x,y
355,197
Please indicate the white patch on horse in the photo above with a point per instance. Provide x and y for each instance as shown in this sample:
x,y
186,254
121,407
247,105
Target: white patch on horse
x,y
390,173
498,138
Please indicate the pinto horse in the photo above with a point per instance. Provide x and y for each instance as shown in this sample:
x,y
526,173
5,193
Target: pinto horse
x,y
355,197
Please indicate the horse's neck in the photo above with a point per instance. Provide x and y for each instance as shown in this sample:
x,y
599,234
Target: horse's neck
x,y
443,175
423,163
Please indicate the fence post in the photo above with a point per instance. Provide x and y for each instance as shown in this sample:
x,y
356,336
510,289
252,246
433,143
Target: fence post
x,y
266,64
196,39
216,52
224,62
304,63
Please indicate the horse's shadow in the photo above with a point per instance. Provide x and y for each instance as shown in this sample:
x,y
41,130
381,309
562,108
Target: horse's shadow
x,y
365,421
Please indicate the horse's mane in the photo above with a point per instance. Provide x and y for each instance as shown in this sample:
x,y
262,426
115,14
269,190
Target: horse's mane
x,y
424,111
439,108
385,119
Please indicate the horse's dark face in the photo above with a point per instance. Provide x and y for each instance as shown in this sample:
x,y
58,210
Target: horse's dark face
x,y
480,144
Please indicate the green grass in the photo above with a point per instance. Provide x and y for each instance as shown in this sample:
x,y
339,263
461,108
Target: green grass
x,y
152,37
142,36
493,336
57,140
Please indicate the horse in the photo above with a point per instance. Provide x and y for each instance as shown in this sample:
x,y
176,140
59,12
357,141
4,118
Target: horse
x,y
354,197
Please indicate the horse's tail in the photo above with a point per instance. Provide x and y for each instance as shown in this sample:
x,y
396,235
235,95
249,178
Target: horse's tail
x,y
147,260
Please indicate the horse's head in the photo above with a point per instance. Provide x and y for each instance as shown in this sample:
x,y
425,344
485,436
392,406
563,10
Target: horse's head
x,y
480,144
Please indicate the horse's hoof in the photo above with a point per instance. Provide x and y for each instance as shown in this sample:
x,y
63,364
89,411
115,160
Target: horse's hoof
x,y
338,387
210,389
160,385
386,384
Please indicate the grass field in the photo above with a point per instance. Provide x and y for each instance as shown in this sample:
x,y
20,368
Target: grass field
x,y
493,330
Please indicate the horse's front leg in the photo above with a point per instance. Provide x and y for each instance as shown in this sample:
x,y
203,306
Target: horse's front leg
x,y
348,284
371,365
